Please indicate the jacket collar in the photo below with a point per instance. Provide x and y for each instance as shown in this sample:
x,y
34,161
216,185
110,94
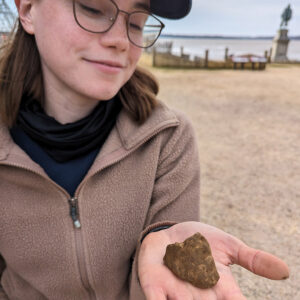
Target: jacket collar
x,y
127,134
133,134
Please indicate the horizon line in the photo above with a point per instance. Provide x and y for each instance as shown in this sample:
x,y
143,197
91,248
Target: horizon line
x,y
220,36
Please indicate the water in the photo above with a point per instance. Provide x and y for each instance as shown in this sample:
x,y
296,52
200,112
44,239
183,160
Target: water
x,y
216,47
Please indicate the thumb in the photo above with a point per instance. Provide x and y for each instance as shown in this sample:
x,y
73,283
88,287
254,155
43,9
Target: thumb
x,y
262,263
154,294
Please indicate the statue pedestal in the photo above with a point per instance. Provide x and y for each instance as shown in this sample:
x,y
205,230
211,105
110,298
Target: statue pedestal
x,y
280,46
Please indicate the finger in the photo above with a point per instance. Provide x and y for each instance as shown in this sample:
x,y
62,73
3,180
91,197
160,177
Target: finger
x,y
178,290
154,293
262,263
177,294
238,296
202,294
227,288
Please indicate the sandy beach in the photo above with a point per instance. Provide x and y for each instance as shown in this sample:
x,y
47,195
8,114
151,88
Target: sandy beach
x,y
248,129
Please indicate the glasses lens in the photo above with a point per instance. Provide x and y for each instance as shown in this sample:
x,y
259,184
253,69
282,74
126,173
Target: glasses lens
x,y
144,29
95,15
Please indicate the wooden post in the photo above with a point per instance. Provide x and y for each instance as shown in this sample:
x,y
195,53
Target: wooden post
x,y
170,48
206,59
181,51
154,57
226,54
270,55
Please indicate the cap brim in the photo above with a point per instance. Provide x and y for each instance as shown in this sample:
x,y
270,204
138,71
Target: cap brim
x,y
171,9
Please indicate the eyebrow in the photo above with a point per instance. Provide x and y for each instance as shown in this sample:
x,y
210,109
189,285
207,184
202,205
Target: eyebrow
x,y
141,5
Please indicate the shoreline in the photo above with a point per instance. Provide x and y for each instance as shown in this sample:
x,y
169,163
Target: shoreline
x,y
221,37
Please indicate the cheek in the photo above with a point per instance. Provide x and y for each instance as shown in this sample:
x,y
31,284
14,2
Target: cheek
x,y
134,56
55,28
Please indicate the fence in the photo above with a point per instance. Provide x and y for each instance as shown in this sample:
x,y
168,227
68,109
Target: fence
x,y
161,56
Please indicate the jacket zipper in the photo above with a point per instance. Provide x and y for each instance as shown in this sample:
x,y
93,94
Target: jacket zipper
x,y
74,209
82,265
74,213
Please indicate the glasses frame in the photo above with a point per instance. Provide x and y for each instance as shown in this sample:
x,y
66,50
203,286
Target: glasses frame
x,y
127,23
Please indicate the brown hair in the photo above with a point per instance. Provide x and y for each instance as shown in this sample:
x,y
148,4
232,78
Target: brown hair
x,y
21,75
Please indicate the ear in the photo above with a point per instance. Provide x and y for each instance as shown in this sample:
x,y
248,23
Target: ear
x,y
25,8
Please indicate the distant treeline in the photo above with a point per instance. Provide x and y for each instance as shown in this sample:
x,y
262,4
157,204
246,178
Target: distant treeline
x,y
187,36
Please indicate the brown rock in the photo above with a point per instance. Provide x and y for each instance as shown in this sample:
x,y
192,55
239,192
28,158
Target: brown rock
x,y
192,261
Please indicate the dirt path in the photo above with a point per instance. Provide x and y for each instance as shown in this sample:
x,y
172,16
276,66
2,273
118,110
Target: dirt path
x,y
248,128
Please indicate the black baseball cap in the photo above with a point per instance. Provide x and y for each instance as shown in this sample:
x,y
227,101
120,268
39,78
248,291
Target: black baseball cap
x,y
171,9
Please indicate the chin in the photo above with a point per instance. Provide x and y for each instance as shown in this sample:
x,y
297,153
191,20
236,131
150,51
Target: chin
x,y
105,89
104,94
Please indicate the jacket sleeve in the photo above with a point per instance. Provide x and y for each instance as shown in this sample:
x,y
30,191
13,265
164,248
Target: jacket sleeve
x,y
176,192
3,296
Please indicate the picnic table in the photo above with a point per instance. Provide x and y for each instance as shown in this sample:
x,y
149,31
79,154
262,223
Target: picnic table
x,y
257,62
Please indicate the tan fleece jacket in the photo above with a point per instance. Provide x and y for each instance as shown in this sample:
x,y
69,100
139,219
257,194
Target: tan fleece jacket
x,y
144,176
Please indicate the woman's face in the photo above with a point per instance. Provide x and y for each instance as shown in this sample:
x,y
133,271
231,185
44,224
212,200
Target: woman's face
x,y
78,63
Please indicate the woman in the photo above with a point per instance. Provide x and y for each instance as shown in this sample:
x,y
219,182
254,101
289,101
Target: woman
x,y
96,175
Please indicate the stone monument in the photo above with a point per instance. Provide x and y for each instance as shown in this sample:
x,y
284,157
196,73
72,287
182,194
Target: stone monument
x,y
281,40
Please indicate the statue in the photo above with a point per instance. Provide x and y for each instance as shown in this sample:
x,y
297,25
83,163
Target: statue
x,y
286,16
281,40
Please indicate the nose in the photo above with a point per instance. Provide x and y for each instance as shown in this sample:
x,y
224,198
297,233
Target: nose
x,y
117,36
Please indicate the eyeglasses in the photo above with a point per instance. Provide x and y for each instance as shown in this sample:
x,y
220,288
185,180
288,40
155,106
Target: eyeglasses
x,y
98,16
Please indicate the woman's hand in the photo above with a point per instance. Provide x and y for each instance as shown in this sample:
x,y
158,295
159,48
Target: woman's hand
x,y
159,283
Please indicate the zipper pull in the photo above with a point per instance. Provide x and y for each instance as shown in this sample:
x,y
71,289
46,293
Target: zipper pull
x,y
74,212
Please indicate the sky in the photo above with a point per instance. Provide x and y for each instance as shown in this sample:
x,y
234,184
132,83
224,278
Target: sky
x,y
233,17
236,17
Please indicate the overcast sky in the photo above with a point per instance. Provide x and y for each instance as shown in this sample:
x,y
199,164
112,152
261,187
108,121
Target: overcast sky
x,y
236,17
233,17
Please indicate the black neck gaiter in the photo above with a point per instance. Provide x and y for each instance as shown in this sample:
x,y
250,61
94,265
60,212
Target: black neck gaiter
x,y
64,142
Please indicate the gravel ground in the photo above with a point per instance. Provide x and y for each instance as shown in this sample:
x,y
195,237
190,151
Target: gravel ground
x,y
248,128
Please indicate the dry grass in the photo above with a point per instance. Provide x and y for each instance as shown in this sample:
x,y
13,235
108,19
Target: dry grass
x,y
248,128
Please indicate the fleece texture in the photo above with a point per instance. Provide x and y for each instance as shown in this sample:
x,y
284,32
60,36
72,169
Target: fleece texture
x,y
145,176
67,174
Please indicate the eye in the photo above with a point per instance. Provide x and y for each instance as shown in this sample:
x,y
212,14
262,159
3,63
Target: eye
x,y
135,27
90,10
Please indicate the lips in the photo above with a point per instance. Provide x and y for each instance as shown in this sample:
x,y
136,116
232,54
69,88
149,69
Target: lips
x,y
108,63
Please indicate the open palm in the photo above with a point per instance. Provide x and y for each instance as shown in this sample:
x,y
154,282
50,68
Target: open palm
x,y
159,283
